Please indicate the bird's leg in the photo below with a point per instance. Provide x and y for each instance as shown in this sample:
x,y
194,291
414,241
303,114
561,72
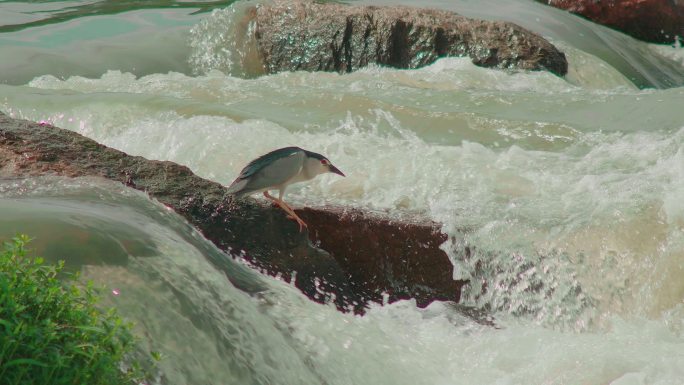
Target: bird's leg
x,y
280,198
292,214
287,209
274,200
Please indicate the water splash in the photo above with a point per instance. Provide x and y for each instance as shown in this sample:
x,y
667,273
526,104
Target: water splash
x,y
568,222
225,41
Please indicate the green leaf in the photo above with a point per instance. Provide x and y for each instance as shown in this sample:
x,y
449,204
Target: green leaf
x,y
58,324
25,361
90,329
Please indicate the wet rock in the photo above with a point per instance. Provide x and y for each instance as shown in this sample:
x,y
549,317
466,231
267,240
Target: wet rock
x,y
376,251
357,256
656,21
302,35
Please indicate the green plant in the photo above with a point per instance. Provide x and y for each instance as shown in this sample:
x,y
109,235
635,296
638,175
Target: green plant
x,y
51,332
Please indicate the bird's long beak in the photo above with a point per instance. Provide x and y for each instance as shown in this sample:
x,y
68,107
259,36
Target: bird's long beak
x,y
335,170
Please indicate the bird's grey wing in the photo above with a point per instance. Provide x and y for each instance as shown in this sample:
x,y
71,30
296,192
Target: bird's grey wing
x,y
257,164
277,172
280,164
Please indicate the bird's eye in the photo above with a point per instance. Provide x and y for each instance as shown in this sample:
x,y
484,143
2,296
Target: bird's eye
x,y
324,162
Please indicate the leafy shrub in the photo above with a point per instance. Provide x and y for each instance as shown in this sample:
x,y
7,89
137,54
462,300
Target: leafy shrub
x,y
50,330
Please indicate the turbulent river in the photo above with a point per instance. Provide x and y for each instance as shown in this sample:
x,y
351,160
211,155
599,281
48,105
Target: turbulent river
x,y
570,189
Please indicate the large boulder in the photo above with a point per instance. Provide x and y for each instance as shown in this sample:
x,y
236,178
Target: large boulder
x,y
657,21
303,35
357,257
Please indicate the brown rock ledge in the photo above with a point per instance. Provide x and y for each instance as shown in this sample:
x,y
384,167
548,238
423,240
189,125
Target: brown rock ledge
x,y
656,21
358,258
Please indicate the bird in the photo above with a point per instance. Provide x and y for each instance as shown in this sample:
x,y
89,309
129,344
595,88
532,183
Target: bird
x,y
276,171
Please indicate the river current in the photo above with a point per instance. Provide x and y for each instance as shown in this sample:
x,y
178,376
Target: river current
x,y
569,189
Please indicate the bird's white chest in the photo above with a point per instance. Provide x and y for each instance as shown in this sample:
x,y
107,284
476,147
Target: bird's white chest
x,y
309,169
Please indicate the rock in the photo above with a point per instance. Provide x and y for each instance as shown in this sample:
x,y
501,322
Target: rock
x,y
374,250
656,21
358,258
303,35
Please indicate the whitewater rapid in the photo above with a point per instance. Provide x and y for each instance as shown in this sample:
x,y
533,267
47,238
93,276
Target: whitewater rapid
x,y
568,190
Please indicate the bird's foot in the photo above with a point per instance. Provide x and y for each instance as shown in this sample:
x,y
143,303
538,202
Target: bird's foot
x,y
302,225
300,222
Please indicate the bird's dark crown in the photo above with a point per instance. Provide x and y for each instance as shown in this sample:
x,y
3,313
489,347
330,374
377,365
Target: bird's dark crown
x,y
314,155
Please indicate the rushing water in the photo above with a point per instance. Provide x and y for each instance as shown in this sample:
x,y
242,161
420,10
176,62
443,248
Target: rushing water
x,y
569,189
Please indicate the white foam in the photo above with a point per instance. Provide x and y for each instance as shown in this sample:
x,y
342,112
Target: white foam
x,y
278,336
674,52
562,184
569,191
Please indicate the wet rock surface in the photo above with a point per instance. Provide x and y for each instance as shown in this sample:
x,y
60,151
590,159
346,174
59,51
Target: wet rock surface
x,y
358,257
302,35
656,21
382,252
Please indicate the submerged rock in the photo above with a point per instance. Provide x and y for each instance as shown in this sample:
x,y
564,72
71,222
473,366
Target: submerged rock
x,y
303,35
656,21
358,257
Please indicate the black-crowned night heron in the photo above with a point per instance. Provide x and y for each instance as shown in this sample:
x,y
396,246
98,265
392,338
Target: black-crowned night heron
x,y
277,170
